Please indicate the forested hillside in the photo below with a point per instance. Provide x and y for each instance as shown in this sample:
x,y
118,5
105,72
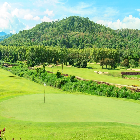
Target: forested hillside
x,y
75,32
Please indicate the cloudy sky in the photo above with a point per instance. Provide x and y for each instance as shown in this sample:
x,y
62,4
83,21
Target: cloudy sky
x,y
16,15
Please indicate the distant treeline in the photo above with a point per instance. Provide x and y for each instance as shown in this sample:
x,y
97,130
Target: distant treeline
x,y
35,55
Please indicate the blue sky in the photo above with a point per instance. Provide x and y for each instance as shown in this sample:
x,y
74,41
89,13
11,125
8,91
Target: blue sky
x,y
18,15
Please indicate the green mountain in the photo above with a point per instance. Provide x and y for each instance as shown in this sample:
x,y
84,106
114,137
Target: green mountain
x,y
2,33
75,32
5,36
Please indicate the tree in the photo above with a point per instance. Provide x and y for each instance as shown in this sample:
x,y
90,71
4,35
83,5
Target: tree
x,y
125,63
133,63
107,62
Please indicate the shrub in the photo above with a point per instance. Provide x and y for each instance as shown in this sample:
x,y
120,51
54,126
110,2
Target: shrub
x,y
58,74
72,79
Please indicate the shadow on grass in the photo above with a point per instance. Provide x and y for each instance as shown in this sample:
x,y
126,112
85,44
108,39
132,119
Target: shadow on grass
x,y
12,76
89,67
113,69
110,69
15,77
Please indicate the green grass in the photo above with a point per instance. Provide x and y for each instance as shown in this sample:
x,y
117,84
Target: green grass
x,y
64,116
11,85
70,131
70,108
133,76
88,73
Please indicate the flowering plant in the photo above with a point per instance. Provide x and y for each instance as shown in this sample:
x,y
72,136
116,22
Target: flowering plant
x,y
2,134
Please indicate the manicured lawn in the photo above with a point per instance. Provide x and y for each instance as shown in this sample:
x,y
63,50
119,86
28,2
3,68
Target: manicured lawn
x,y
70,108
64,116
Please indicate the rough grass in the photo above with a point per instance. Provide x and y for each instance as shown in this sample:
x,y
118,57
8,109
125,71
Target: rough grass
x,y
70,131
115,118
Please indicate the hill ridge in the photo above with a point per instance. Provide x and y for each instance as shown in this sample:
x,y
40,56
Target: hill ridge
x,y
75,32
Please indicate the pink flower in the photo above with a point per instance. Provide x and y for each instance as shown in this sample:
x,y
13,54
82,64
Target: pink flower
x,y
3,129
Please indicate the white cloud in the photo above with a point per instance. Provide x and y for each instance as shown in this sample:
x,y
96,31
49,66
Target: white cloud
x,y
49,13
132,22
15,12
36,18
28,17
28,27
128,22
8,19
21,13
4,10
11,17
114,25
46,19
138,10
6,7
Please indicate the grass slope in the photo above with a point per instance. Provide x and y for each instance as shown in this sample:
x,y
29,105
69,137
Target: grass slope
x,y
126,111
11,85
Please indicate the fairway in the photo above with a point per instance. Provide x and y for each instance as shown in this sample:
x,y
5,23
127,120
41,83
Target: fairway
x,y
88,73
70,108
65,115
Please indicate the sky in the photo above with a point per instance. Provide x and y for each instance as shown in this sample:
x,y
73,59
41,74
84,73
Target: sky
x,y
18,15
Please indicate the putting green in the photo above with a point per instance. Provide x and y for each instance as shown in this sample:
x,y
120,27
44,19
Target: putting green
x,y
70,108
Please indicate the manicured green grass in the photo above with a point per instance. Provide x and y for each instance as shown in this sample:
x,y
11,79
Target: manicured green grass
x,y
67,116
70,108
88,73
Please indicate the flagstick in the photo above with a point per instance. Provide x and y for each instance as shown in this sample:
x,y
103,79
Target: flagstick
x,y
44,94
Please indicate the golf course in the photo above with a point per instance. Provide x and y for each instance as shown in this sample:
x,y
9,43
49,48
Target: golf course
x,y
69,78
63,115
